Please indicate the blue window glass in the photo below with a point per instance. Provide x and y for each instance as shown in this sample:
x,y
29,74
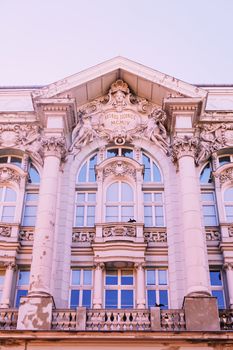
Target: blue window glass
x,y
83,173
215,278
112,152
156,173
126,278
163,299
224,160
74,299
111,277
92,176
127,153
20,293
151,298
87,277
111,299
16,161
34,176
150,277
220,298
162,277
76,275
86,302
126,299
147,169
205,176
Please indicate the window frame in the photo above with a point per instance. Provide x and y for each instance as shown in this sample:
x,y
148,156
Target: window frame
x,y
153,204
21,287
4,203
157,287
81,287
218,287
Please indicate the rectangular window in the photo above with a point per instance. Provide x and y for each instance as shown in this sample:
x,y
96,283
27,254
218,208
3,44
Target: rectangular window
x,y
22,285
30,209
81,288
209,209
217,287
119,289
153,209
85,209
157,288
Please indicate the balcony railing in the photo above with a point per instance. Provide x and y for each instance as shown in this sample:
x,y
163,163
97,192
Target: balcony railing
x,y
118,320
8,319
172,320
226,319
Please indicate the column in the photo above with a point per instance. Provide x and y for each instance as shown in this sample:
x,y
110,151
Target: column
x,y
7,288
98,286
198,303
140,285
35,311
229,272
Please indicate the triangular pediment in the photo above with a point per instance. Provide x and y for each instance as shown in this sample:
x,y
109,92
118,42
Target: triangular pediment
x,y
142,81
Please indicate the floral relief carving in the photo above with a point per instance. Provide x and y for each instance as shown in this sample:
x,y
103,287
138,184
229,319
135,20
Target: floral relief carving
x,y
183,146
26,235
225,176
119,230
54,146
83,236
5,231
7,174
119,168
157,236
120,117
213,235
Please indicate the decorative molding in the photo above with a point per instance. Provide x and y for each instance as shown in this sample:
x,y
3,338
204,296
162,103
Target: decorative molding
x,y
119,230
55,146
213,235
228,266
10,265
99,266
26,235
9,175
120,117
225,176
5,230
155,236
183,146
83,236
119,168
230,230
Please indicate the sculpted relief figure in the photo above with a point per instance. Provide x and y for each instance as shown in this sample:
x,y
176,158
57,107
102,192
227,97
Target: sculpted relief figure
x,y
83,133
155,130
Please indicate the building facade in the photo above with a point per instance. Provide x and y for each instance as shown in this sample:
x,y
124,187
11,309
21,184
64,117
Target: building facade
x,y
116,212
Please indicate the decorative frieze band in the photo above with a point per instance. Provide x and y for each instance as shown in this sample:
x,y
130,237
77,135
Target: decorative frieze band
x,y
83,236
5,230
119,230
155,236
9,175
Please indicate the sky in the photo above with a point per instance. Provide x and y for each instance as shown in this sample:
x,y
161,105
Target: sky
x,y
42,41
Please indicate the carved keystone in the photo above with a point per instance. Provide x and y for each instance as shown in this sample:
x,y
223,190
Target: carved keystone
x,y
35,313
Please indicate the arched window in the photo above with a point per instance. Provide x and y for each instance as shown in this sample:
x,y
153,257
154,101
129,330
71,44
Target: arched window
x,y
33,175
119,202
7,204
151,170
11,160
228,203
120,152
87,171
205,176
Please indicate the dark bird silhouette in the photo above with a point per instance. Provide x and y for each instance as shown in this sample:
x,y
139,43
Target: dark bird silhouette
x,y
131,220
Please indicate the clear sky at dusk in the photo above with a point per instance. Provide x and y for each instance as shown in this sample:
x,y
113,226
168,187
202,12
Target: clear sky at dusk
x,y
43,41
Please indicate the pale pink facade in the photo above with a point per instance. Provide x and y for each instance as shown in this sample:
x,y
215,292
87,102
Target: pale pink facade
x,y
116,212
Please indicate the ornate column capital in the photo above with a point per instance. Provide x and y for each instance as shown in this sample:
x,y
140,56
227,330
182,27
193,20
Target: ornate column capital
x,y
54,146
10,265
139,265
99,266
183,147
228,266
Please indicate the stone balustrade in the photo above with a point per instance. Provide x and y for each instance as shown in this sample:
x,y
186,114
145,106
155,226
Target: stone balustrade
x,y
8,319
64,319
226,319
172,320
118,320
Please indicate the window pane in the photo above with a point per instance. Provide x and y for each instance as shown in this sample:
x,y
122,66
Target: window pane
x,y
91,197
162,277
156,173
10,195
2,276
8,214
228,195
205,176
34,176
111,299
126,299
92,176
209,210
215,278
159,221
80,197
3,160
147,169
16,161
151,298
126,278
86,302
163,299
148,210
224,160
112,192
210,221
74,299
147,197
112,152
207,196
20,293
111,277
32,197
158,197
220,298
126,192
150,277
76,277
83,173
111,214
126,212
23,278
87,277
90,221
127,153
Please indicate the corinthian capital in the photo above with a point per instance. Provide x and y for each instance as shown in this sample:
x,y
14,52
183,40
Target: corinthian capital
x,y
228,266
184,146
55,146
